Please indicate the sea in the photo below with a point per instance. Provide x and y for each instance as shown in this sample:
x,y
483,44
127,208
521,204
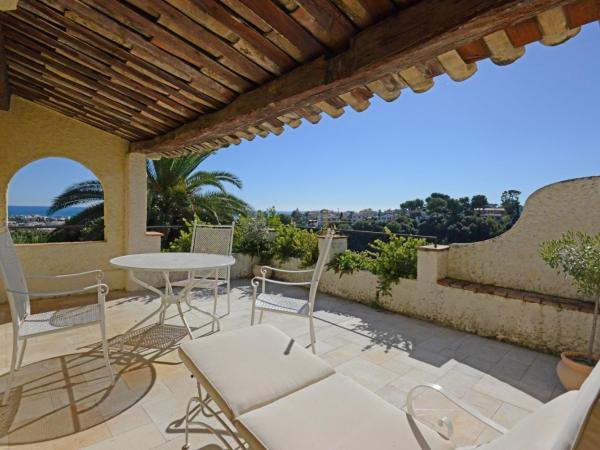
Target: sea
x,y
17,210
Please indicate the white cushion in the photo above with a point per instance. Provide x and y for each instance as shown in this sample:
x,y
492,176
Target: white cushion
x,y
540,429
335,414
586,398
250,367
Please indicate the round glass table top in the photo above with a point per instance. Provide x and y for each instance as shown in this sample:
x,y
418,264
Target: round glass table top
x,y
172,262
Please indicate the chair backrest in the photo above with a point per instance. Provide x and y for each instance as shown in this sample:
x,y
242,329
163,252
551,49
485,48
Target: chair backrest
x,y
13,279
216,239
579,431
323,259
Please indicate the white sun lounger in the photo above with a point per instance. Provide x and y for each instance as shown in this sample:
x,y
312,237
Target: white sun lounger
x,y
279,396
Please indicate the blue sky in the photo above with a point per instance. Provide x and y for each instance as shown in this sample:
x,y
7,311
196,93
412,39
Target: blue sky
x,y
521,127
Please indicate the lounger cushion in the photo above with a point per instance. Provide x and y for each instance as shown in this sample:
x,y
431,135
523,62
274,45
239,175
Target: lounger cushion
x,y
249,367
335,414
574,425
540,429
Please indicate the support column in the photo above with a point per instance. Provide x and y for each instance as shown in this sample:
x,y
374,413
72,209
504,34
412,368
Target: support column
x,y
137,239
432,263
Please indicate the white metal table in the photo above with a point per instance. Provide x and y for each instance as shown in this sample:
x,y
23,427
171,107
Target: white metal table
x,y
166,263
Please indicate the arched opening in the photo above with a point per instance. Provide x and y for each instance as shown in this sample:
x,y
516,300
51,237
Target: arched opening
x,y
55,200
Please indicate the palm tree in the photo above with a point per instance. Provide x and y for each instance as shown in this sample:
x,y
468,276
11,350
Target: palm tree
x,y
91,218
176,191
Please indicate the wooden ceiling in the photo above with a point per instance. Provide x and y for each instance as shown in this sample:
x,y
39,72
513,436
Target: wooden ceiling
x,y
179,76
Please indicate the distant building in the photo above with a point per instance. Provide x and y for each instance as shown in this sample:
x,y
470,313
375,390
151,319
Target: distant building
x,y
496,213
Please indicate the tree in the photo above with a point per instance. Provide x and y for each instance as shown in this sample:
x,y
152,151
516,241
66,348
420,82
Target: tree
x,y
577,256
479,201
91,218
436,204
296,215
510,202
176,191
413,208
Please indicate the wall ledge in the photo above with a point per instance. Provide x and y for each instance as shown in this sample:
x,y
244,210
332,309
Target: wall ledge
x,y
519,294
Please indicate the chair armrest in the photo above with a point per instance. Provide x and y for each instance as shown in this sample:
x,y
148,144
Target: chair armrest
x,y
99,275
445,421
257,280
101,287
264,270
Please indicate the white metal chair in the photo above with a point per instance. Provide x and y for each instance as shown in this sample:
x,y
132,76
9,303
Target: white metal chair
x,y
215,239
289,305
27,325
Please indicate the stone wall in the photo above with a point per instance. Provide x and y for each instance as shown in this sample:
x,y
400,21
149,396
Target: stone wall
x,y
29,132
544,327
511,260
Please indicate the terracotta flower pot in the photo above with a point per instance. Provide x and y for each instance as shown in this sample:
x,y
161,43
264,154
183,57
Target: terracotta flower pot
x,y
571,373
257,273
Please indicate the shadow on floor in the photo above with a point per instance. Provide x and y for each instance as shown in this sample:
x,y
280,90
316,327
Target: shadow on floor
x,y
64,395
436,345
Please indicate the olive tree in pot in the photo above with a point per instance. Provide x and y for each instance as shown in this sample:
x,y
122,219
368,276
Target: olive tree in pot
x,y
577,256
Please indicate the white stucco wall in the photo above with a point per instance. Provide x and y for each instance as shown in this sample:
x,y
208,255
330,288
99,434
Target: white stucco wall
x,y
511,260
29,132
541,327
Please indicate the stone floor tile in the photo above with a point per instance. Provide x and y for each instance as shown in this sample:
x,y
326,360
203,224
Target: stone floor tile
x,y
392,395
342,354
495,388
370,375
509,415
386,352
141,438
485,404
132,418
458,383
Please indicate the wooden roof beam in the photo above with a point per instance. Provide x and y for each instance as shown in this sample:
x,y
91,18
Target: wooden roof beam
x,y
8,5
4,86
419,33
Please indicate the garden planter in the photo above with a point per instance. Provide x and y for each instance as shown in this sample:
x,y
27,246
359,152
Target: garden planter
x,y
571,373
257,273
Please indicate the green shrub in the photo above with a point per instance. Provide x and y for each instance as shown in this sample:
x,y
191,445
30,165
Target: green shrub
x,y
35,236
349,261
293,242
183,242
389,261
252,236
394,259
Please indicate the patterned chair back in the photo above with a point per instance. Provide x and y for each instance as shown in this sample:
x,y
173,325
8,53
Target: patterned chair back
x,y
215,239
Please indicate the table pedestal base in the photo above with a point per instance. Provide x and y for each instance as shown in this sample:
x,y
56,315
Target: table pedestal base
x,y
168,297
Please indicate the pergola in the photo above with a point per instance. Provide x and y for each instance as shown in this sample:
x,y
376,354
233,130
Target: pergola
x,y
180,76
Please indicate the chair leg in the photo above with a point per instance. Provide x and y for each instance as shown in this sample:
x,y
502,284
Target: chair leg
x,y
13,365
252,315
313,339
105,353
186,446
260,316
22,353
216,294
228,293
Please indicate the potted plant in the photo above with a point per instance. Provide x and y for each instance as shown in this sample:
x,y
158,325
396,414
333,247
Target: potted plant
x,y
577,255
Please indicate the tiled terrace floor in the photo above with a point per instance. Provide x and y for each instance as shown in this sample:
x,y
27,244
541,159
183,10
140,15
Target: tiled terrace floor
x,y
65,402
